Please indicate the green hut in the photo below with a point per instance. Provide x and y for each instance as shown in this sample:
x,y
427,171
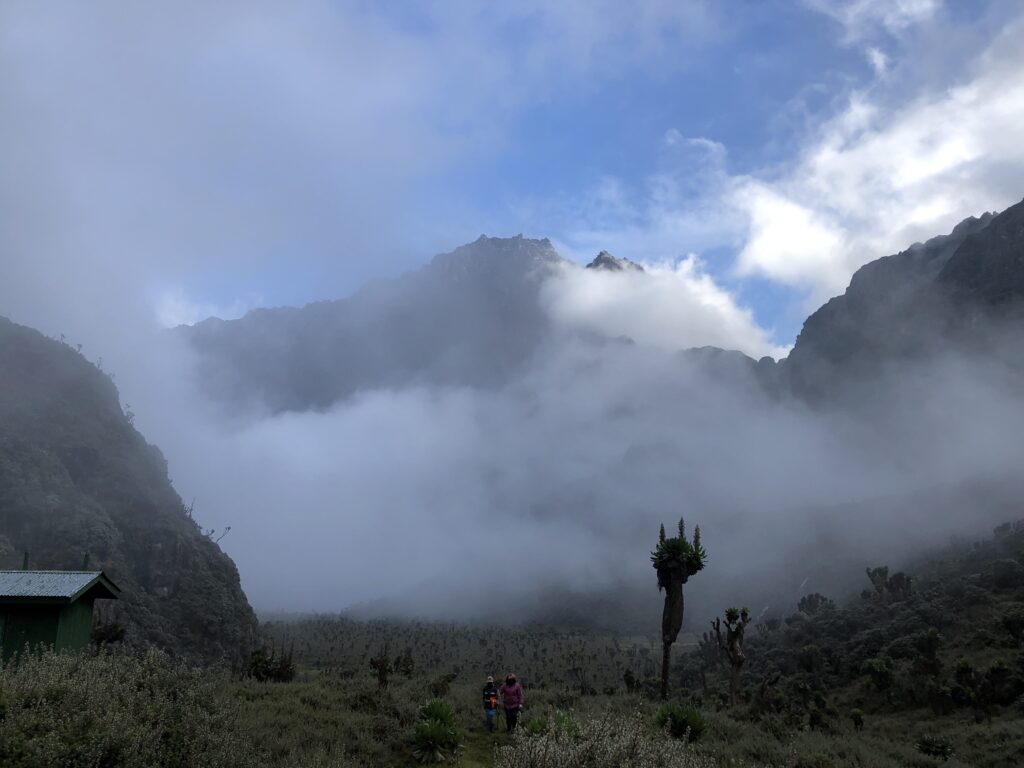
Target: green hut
x,y
52,608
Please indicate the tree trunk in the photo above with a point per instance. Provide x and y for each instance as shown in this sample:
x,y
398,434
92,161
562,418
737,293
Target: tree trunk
x,y
734,685
671,623
666,651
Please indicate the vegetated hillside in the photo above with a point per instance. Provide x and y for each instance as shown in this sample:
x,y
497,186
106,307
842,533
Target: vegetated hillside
x,y
76,477
924,663
944,636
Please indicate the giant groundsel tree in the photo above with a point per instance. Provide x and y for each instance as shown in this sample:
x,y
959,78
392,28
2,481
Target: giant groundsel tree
x,y
676,560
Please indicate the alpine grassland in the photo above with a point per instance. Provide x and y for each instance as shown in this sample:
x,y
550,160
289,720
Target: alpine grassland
x,y
924,668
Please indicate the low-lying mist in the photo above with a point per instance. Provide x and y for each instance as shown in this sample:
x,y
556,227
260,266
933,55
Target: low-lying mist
x,y
518,502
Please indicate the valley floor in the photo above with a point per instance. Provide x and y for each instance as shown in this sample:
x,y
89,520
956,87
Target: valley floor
x,y
321,722
921,670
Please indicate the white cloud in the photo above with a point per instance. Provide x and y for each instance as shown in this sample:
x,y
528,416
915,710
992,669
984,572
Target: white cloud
x,y
787,241
147,144
876,178
670,306
884,171
860,18
175,307
878,60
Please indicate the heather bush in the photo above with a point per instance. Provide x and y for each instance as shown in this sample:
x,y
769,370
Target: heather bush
x,y
606,743
116,711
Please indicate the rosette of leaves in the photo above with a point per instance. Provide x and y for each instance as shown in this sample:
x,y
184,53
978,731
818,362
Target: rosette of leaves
x,y
435,738
677,558
434,742
438,710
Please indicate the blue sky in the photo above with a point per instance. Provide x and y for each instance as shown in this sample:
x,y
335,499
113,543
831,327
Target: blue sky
x,y
209,160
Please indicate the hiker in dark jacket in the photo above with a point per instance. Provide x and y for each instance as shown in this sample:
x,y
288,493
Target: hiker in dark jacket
x,y
512,699
490,704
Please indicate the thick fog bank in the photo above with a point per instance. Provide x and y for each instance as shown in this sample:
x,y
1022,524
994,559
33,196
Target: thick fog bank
x,y
541,499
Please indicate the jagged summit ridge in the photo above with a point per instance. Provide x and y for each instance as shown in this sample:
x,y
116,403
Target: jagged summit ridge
x,y
474,316
605,261
501,258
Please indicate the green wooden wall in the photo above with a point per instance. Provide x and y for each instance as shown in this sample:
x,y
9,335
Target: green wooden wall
x,y
74,626
62,627
33,625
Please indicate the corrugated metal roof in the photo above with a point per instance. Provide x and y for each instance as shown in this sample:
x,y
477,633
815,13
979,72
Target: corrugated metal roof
x,y
57,584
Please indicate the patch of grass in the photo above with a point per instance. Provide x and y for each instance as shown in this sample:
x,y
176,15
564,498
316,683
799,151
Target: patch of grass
x,y
682,722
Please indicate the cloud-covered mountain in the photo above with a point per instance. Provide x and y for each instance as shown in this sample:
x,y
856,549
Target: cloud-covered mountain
x,y
460,414
471,317
461,409
476,316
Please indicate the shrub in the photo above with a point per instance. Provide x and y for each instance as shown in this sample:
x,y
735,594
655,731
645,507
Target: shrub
x,y
814,603
435,738
438,710
559,719
537,725
682,721
118,711
607,743
434,741
1013,622
935,746
857,717
268,666
880,670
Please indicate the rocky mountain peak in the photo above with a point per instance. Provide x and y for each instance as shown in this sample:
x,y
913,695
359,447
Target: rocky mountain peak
x,y
606,261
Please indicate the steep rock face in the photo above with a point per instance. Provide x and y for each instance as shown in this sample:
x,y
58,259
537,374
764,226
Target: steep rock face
x,y
469,318
76,477
987,269
952,293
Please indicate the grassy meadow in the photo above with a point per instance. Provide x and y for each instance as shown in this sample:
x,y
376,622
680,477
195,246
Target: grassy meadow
x,y
923,669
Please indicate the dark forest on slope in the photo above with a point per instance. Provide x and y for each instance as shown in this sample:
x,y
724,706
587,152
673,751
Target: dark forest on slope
x,y
76,477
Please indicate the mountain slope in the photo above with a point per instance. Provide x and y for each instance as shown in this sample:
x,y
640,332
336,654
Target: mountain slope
x,y
954,293
469,318
76,477
473,317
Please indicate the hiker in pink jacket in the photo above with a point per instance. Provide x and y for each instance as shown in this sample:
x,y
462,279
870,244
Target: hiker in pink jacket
x,y
512,700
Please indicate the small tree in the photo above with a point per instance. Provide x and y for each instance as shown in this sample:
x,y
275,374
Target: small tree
x,y
381,664
889,589
404,664
814,602
676,560
730,646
